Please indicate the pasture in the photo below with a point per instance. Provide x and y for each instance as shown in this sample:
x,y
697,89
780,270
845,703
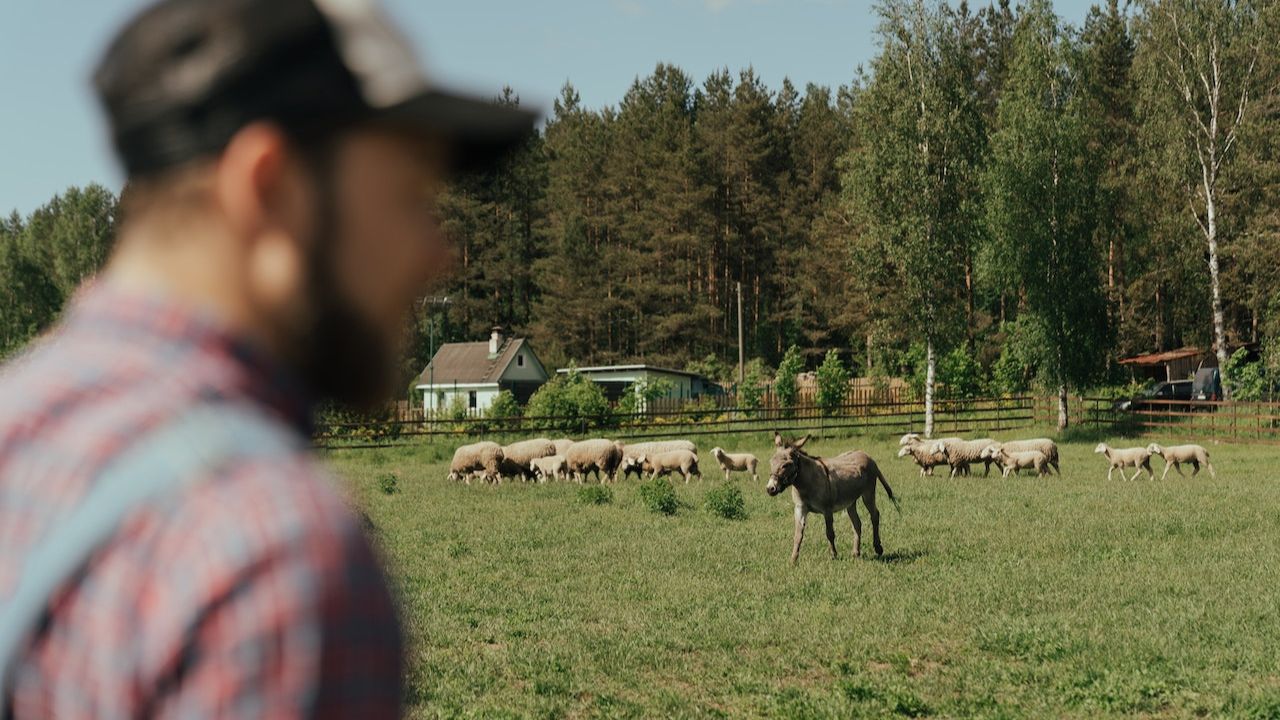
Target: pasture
x,y
1025,597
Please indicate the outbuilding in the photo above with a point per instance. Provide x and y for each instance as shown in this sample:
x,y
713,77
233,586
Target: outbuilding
x,y
473,373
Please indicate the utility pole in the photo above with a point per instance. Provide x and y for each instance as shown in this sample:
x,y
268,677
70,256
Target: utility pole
x,y
741,371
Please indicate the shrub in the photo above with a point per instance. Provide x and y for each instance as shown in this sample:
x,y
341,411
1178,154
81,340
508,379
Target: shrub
x,y
754,378
659,496
595,495
833,383
573,400
388,483
725,500
784,383
504,407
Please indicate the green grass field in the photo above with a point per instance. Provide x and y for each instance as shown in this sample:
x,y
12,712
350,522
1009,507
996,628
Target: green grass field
x,y
1028,597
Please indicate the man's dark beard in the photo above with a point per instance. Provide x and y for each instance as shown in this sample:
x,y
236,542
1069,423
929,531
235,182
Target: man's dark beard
x,y
341,355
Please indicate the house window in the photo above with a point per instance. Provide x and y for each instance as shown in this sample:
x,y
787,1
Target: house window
x,y
520,360
440,399
471,399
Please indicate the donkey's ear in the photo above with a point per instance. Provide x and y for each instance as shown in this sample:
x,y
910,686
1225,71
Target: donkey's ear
x,y
777,439
800,443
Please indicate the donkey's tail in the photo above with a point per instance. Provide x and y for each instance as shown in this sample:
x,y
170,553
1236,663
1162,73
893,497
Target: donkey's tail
x,y
889,491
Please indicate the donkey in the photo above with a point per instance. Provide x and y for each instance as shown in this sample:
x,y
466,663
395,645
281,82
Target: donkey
x,y
828,486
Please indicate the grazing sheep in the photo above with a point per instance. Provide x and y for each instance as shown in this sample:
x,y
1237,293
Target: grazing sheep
x,y
631,452
1138,457
960,453
551,467
1012,462
1044,445
561,445
666,462
598,456
736,461
485,457
517,457
1175,455
924,453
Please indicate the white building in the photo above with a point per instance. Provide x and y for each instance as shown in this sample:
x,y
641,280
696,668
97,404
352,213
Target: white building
x,y
614,379
477,371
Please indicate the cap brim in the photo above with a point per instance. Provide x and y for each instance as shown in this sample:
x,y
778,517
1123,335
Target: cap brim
x,y
482,133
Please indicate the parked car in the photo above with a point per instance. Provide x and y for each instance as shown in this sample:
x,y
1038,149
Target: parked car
x,y
1207,384
1169,390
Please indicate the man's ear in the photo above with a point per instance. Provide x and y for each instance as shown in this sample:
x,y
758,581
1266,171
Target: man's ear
x,y
259,184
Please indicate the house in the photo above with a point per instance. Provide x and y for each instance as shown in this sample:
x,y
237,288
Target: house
x,y
614,379
477,371
1179,364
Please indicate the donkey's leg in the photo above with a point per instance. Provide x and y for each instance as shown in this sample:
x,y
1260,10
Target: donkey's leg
x,y
801,517
869,499
857,530
831,533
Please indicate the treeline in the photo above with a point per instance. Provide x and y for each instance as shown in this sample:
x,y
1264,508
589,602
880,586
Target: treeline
x,y
995,183
998,200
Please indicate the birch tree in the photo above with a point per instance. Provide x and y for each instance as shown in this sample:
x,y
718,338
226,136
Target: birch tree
x,y
914,176
1204,53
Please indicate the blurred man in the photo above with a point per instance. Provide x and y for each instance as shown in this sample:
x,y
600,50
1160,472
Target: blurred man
x,y
167,545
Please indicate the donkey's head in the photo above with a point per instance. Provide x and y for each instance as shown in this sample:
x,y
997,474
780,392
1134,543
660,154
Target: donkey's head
x,y
785,464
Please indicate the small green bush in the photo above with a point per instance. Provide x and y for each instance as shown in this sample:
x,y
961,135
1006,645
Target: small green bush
x,y
725,500
388,483
595,494
658,495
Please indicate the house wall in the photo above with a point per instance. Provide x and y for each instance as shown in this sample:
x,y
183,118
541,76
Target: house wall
x,y
445,394
531,372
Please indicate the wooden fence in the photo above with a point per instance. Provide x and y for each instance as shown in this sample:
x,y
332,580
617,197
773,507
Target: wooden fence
x,y
868,416
1255,422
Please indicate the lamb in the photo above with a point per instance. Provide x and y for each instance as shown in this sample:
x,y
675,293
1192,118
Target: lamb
x,y
598,456
1138,457
1044,445
736,461
665,462
1012,462
960,453
631,453
924,453
551,467
1175,455
517,457
484,457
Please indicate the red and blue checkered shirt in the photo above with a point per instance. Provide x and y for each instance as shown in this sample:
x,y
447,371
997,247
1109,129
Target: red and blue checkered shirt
x,y
250,593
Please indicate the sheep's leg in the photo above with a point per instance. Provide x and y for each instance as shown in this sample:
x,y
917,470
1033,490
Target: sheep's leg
x,y
857,530
986,468
1195,468
1151,473
1109,469
831,533
801,517
869,499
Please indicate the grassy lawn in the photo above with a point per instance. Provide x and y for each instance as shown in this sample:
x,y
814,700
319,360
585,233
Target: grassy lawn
x,y
1028,597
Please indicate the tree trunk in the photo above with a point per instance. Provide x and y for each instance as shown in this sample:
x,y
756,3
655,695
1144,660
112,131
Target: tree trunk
x,y
930,365
1219,333
1062,408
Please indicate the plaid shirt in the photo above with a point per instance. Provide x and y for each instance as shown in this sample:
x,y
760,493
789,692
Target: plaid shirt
x,y
251,593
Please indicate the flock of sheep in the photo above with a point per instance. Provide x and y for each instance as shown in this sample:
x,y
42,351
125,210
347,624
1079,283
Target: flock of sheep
x,y
543,459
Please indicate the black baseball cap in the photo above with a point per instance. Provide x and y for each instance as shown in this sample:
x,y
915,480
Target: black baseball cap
x,y
184,76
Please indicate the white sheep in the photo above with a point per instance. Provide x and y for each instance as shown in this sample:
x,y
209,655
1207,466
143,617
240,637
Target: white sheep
x,y
1012,462
1044,445
960,453
1175,455
561,445
924,453
598,456
1138,457
484,457
666,462
551,467
631,452
730,462
518,456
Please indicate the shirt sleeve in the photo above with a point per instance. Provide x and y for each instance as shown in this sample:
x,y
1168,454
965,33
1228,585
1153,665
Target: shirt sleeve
x,y
272,604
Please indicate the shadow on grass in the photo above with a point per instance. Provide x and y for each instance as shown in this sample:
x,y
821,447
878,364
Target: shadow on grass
x,y
901,557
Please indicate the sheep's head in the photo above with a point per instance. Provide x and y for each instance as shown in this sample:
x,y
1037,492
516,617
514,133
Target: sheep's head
x,y
1155,449
908,439
904,452
989,452
633,462
1102,448
717,452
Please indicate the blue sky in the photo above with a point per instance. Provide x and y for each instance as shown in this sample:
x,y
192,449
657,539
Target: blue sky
x,y
52,137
